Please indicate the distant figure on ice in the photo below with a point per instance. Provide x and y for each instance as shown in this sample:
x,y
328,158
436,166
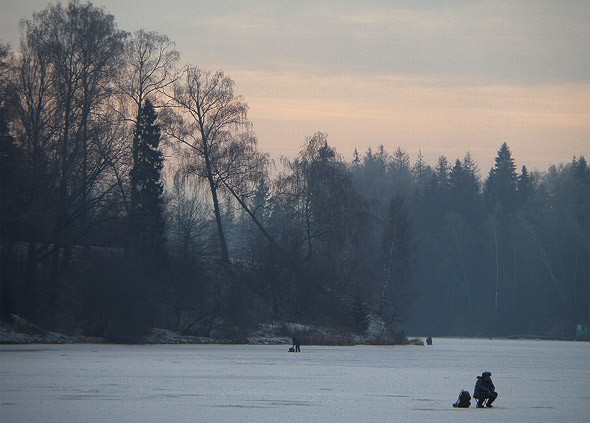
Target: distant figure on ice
x,y
485,390
296,345
429,340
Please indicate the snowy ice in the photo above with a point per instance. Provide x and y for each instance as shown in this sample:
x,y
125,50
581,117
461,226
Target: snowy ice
x,y
537,381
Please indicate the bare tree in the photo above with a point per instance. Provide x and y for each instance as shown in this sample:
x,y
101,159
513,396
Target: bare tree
x,y
69,59
187,215
315,190
217,130
150,59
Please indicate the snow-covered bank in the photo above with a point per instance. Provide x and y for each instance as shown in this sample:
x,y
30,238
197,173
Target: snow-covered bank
x,y
19,331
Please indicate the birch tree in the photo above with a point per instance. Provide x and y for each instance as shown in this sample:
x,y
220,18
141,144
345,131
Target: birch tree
x,y
217,132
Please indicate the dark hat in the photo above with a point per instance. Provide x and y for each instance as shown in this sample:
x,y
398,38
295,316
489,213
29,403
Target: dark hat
x,y
484,374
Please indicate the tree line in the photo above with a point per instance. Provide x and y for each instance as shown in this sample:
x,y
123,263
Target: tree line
x,y
133,195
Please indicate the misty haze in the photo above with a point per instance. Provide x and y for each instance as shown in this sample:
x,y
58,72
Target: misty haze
x,y
256,211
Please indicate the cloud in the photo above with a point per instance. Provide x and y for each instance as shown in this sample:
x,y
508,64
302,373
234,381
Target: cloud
x,y
444,76
502,42
522,42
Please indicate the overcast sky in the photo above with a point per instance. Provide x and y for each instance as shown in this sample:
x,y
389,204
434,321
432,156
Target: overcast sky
x,y
445,77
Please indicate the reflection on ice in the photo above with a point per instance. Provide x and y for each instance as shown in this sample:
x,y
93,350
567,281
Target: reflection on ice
x,y
537,381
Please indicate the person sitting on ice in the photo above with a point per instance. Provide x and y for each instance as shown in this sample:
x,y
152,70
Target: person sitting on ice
x,y
485,390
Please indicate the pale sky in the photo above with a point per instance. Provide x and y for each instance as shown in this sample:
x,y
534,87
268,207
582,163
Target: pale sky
x,y
445,77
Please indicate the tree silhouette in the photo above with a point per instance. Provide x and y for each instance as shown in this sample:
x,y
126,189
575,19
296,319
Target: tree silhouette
x,y
147,203
500,188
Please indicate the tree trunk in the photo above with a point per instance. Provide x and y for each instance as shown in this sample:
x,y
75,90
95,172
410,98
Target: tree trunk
x,y
215,199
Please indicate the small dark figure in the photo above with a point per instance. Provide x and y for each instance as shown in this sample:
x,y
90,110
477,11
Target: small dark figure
x,y
464,400
429,341
296,345
291,349
485,390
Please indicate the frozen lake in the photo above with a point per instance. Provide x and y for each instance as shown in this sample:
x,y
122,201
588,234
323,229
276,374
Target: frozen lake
x,y
537,381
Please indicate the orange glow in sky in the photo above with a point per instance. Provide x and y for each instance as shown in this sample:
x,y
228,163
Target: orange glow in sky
x,y
440,77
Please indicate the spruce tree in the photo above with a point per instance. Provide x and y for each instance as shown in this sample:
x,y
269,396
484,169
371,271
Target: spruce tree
x,y
500,187
147,203
464,189
419,169
524,185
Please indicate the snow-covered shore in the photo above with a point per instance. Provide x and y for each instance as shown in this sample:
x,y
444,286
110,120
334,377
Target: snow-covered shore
x,y
19,331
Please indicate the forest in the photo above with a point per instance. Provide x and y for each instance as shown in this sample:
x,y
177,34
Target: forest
x,y
134,196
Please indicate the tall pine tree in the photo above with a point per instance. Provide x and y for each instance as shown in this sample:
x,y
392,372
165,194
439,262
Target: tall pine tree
x,y
147,203
524,185
501,185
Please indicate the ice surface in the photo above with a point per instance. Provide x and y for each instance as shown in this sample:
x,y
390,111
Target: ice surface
x,y
537,381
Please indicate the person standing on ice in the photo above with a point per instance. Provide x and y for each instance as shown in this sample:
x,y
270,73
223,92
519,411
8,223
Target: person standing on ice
x,y
296,345
485,390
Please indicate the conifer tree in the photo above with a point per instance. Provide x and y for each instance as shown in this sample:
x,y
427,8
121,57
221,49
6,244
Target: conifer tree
x,y
419,169
500,187
442,172
356,161
147,204
464,189
524,185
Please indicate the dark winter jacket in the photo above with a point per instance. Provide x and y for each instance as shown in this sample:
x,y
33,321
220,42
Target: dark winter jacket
x,y
483,388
